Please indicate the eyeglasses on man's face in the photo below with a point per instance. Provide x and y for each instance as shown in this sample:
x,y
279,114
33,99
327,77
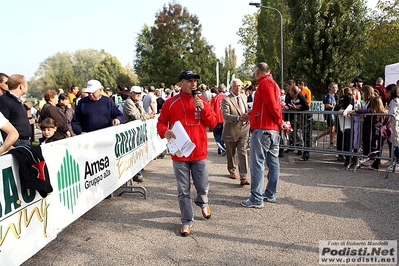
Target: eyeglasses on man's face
x,y
90,93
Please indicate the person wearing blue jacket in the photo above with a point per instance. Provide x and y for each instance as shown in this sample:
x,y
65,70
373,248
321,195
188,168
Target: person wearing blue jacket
x,y
95,111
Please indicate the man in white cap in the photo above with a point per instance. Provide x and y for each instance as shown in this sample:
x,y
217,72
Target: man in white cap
x,y
95,111
133,110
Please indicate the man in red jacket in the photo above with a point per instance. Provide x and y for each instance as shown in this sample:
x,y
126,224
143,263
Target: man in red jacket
x,y
379,87
266,123
195,113
216,103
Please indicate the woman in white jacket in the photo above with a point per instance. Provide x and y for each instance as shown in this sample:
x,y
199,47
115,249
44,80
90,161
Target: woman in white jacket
x,y
345,123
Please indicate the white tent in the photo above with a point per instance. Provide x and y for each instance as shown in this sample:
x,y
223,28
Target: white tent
x,y
391,74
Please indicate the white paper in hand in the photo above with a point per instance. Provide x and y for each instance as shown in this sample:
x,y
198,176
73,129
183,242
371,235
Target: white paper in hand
x,y
181,145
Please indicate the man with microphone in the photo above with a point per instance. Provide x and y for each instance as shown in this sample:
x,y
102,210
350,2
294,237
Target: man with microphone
x,y
195,114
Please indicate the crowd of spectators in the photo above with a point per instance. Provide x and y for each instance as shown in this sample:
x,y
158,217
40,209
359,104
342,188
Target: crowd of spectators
x,y
237,115
358,127
71,113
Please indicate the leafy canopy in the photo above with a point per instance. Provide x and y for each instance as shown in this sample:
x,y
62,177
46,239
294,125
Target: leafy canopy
x,y
174,43
63,70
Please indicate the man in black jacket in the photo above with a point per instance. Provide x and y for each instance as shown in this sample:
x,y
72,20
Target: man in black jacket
x,y
12,108
302,121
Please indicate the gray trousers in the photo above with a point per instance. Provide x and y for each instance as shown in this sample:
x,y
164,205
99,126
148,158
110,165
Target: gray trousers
x,y
199,173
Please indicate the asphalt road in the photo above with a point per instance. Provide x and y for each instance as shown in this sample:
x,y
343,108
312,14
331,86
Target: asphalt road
x,y
317,200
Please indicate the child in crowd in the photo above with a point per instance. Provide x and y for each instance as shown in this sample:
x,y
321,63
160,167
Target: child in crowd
x,y
48,127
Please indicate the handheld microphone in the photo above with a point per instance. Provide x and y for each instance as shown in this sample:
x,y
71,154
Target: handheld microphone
x,y
194,92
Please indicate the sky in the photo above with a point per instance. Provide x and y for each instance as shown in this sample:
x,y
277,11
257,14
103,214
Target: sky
x,y
35,30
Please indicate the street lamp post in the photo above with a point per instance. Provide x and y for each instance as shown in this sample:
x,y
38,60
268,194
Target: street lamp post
x,y
259,5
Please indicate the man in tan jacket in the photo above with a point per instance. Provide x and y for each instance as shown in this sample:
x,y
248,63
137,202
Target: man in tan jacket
x,y
236,131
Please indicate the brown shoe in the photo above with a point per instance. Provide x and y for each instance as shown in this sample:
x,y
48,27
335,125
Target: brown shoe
x,y
233,176
138,178
244,182
185,230
206,212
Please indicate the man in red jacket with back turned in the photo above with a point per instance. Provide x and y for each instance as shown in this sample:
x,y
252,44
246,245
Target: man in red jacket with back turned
x,y
266,123
216,103
195,113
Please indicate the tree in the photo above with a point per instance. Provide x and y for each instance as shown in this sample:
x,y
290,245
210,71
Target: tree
x,y
246,73
229,64
144,49
127,77
173,44
84,62
107,71
53,73
268,46
328,41
248,38
63,70
382,48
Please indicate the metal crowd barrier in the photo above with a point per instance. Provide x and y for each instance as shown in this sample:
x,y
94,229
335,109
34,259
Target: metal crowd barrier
x,y
362,142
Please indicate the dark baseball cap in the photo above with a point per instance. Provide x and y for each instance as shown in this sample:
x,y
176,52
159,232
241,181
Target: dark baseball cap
x,y
357,80
188,74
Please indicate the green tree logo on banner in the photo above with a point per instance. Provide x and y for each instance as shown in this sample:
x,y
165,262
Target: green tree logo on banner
x,y
68,179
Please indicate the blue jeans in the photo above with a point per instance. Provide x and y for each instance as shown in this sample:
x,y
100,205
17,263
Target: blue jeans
x,y
22,142
396,153
199,173
217,134
264,149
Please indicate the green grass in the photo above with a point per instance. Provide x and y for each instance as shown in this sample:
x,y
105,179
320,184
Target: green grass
x,y
320,126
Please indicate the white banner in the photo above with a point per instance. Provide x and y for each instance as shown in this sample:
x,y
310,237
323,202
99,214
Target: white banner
x,y
83,171
317,106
